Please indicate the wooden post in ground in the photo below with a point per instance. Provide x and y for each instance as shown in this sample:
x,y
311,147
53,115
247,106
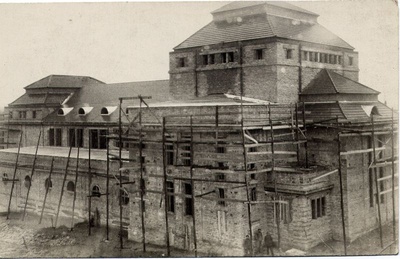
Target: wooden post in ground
x,y
63,185
32,172
192,184
75,186
393,182
378,200
120,172
165,190
15,173
142,183
108,190
47,190
90,182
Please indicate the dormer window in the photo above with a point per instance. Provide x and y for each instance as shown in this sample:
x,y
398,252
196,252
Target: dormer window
x,y
64,111
83,111
107,110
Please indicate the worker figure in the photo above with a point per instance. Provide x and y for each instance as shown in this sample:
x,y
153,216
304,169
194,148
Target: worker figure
x,y
247,246
269,243
258,238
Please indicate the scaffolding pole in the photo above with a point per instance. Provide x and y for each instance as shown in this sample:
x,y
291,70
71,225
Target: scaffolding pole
x,y
341,190
192,184
63,185
108,190
273,168
75,185
165,190
393,173
47,190
90,182
305,130
120,172
376,182
142,183
15,173
32,172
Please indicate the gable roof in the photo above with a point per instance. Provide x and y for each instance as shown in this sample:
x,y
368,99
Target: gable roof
x,y
62,81
329,82
272,26
243,4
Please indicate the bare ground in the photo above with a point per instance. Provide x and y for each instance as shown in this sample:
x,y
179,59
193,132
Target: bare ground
x,y
29,239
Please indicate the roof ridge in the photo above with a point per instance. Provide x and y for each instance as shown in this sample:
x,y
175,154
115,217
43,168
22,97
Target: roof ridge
x,y
341,110
271,26
357,82
194,34
333,83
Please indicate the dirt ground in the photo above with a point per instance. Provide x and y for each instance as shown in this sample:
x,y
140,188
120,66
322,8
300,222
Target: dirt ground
x,y
29,239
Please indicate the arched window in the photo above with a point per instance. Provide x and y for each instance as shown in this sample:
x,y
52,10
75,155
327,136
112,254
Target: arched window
x,y
124,197
27,182
5,178
96,191
48,184
70,186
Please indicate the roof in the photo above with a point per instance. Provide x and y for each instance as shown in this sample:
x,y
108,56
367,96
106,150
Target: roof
x,y
40,99
344,110
272,26
329,82
103,95
245,4
62,81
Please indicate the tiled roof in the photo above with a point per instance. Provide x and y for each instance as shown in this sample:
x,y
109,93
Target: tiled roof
x,y
349,111
244,4
273,26
102,95
39,99
63,81
329,82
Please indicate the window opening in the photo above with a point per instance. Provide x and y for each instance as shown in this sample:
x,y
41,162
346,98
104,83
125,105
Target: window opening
x,y
71,186
188,199
96,191
318,207
170,196
221,195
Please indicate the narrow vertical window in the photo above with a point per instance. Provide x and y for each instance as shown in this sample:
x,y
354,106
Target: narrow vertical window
x,y
59,137
188,199
253,194
94,139
211,59
71,137
205,59
350,61
170,196
51,137
79,137
181,62
230,56
103,139
289,53
33,114
259,54
221,195
305,55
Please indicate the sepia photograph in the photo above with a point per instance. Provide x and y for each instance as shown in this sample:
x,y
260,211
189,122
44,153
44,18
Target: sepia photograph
x,y
199,129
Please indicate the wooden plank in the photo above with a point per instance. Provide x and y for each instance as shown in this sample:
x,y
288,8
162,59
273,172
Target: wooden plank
x,y
324,175
361,151
389,190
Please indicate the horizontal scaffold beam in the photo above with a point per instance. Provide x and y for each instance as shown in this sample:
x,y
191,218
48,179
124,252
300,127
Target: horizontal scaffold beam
x,y
361,151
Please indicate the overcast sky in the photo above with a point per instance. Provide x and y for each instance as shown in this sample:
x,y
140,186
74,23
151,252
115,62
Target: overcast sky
x,y
122,42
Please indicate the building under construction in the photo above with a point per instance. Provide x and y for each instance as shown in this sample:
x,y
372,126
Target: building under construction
x,y
262,125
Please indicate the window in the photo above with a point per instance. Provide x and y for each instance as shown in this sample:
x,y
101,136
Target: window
x,y
251,166
169,152
27,181
318,207
205,60
22,114
33,114
124,197
75,137
289,53
350,61
188,199
186,155
96,191
5,177
339,60
221,195
55,137
221,148
10,114
70,186
305,55
48,184
98,139
227,57
282,209
211,59
220,177
253,194
259,54
170,196
181,62
222,165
